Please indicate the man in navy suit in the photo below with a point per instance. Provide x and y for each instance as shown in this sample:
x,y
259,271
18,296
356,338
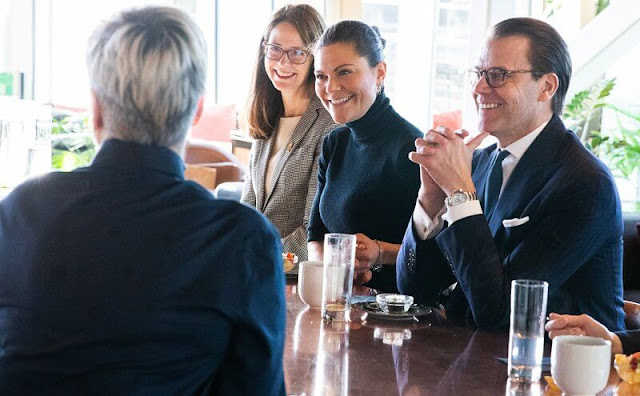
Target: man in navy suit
x,y
536,205
122,277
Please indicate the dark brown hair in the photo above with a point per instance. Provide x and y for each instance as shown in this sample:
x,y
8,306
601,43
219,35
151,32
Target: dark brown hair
x,y
365,39
265,107
548,52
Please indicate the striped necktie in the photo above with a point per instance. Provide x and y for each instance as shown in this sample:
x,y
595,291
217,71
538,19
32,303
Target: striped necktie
x,y
494,182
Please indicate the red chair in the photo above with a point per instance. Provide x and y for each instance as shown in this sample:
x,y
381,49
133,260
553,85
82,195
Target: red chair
x,y
203,153
216,123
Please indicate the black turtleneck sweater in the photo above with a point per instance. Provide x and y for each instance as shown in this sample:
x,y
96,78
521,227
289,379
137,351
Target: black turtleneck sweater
x,y
366,182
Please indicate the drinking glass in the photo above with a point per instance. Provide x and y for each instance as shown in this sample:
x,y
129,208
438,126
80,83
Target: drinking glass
x,y
519,388
337,275
39,152
526,331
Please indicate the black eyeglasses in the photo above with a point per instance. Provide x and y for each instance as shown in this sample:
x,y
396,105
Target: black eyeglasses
x,y
494,76
297,56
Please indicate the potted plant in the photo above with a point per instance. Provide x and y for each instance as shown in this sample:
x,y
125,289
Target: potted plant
x,y
618,147
71,141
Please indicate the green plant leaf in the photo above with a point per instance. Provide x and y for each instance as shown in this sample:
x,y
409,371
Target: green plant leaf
x,y
606,89
601,5
628,113
618,147
72,142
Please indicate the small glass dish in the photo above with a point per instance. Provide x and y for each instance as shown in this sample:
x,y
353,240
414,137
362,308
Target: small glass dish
x,y
394,304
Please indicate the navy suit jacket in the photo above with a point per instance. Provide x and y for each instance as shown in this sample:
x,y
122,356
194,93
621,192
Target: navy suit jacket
x,y
630,341
123,278
573,239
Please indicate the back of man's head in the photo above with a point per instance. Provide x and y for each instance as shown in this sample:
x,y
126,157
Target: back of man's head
x,y
548,52
147,69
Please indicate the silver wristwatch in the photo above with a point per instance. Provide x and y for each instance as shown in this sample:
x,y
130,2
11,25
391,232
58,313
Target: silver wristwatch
x,y
377,266
460,196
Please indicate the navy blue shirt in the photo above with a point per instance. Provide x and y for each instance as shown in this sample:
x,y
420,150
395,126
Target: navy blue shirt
x,y
123,278
366,182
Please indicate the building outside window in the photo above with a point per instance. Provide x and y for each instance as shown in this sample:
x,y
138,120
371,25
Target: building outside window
x,y
427,56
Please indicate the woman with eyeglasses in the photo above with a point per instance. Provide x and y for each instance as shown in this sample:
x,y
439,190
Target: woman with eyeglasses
x,y
366,184
288,124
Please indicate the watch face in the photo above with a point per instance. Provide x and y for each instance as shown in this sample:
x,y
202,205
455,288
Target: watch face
x,y
457,199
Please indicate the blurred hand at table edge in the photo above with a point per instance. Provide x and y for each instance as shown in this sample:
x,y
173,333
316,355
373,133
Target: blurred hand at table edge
x,y
361,274
367,253
581,325
370,251
361,278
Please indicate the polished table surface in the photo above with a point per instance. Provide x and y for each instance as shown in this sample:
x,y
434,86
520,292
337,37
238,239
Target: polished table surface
x,y
375,357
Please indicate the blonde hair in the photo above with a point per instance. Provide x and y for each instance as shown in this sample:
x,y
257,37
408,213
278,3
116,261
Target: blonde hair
x,y
147,68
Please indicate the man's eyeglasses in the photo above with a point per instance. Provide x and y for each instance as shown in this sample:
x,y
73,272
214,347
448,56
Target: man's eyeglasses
x,y
495,77
297,56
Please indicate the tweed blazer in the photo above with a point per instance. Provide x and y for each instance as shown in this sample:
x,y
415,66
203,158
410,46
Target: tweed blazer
x,y
289,202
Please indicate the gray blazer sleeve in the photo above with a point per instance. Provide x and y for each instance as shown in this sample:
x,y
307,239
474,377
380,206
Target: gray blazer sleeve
x,y
248,195
297,240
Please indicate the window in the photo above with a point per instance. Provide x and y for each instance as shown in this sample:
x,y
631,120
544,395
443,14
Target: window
x,y
232,36
603,41
239,35
427,55
451,87
61,41
15,48
624,96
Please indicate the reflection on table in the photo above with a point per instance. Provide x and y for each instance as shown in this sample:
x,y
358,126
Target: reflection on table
x,y
429,356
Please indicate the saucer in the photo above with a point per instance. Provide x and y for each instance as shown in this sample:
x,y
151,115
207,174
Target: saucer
x,y
374,311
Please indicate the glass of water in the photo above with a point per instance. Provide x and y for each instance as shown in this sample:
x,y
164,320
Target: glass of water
x,y
337,275
526,331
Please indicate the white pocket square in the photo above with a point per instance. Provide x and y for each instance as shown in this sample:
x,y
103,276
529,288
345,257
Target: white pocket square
x,y
507,223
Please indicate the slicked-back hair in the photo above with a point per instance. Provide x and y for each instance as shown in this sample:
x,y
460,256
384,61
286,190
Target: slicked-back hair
x,y
366,39
548,52
148,69
265,106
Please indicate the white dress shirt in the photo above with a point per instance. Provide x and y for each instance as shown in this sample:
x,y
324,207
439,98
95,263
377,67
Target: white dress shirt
x,y
283,134
427,227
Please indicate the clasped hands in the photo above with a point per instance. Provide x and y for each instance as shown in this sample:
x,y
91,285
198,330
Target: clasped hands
x,y
366,254
445,164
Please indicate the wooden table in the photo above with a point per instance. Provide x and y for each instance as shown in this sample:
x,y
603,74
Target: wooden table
x,y
370,357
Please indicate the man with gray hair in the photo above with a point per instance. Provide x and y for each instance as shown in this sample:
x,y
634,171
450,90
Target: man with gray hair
x,y
122,277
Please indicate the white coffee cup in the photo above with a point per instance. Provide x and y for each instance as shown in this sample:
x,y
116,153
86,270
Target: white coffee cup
x,y
310,283
580,365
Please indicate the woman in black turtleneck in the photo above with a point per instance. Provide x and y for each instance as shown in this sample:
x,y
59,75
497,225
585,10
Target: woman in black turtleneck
x,y
366,184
